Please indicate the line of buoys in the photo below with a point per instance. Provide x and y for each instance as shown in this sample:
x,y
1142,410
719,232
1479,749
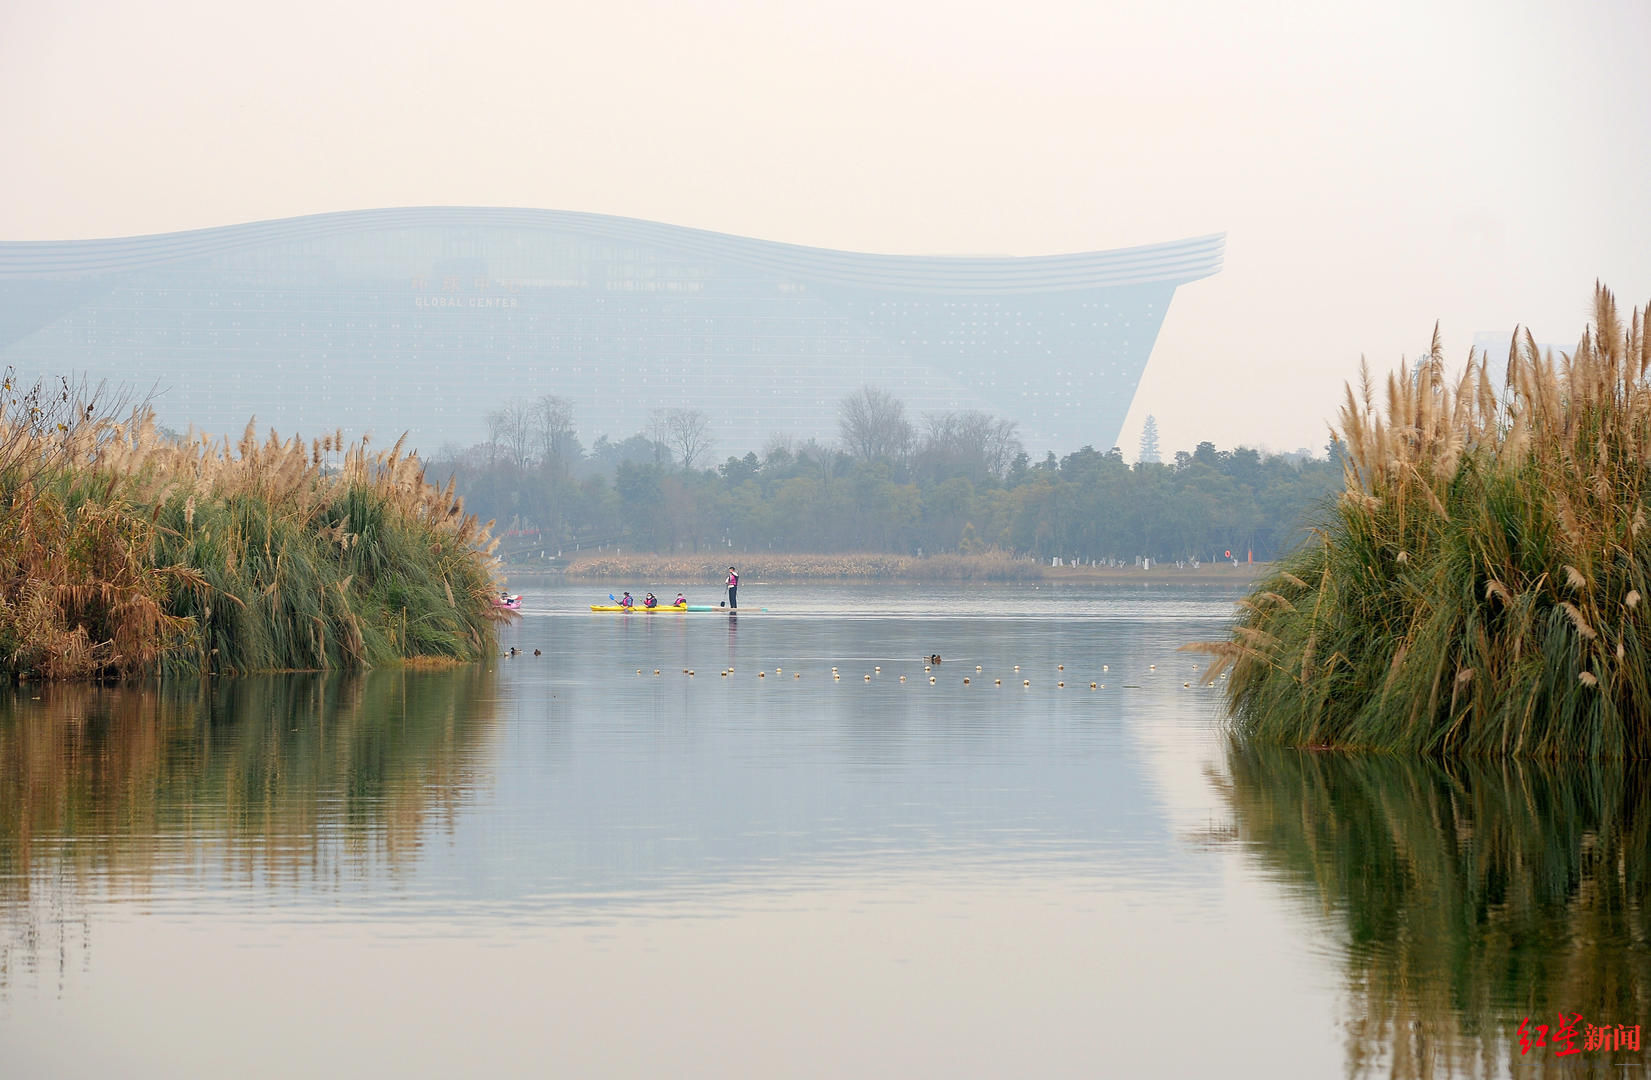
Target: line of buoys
x,y
836,675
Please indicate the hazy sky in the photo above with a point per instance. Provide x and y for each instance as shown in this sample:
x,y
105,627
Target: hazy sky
x,y
1376,166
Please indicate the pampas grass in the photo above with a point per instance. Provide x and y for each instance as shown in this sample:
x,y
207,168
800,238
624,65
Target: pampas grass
x,y
1475,589
123,552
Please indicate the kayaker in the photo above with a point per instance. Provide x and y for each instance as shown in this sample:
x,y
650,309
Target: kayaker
x,y
649,601
681,601
626,601
733,584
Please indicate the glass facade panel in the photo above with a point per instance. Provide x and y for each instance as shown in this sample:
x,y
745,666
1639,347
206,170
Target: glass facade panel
x,y
424,320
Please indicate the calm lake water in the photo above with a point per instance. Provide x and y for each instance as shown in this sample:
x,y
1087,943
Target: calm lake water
x,y
567,865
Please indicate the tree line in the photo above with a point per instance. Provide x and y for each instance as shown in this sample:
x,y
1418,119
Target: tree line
x,y
946,482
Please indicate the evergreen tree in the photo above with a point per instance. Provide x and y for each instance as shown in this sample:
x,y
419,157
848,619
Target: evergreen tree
x,y
1149,442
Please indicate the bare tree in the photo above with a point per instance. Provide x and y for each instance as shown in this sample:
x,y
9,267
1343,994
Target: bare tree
x,y
780,447
510,433
874,425
553,419
972,443
498,420
659,429
689,431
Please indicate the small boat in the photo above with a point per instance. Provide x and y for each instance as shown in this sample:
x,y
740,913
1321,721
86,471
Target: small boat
x,y
508,601
674,609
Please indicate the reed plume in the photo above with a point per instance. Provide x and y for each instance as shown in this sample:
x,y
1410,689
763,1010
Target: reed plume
x,y
124,552
1474,589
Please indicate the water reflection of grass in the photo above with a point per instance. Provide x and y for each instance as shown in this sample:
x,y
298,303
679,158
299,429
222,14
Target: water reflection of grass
x,y
277,773
1470,895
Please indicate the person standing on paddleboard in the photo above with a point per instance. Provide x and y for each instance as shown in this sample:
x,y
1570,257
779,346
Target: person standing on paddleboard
x,y
733,588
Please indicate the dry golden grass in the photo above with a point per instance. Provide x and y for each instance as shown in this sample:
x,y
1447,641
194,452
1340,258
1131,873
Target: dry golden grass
x,y
1477,588
122,552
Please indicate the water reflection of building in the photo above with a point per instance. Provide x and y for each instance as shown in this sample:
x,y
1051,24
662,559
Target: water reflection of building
x,y
1466,898
425,319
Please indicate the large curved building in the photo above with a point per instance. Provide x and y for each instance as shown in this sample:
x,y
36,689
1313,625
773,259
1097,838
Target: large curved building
x,y
425,319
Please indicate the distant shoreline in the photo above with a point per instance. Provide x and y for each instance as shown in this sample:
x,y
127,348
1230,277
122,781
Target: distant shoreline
x,y
649,568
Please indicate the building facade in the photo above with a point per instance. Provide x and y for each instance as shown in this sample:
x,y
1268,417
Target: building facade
x,y
425,319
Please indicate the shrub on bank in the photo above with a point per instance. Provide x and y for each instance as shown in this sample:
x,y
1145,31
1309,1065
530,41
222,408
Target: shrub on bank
x,y
1479,587
125,553
774,566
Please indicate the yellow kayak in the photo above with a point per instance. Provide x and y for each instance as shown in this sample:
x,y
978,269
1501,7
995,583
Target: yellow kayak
x,y
661,610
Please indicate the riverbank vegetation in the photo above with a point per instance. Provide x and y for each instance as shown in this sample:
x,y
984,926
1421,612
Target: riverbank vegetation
x,y
1480,586
123,552
957,484
992,566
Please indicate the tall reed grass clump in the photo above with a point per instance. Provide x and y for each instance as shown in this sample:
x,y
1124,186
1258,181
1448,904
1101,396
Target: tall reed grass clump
x,y
123,552
1479,587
